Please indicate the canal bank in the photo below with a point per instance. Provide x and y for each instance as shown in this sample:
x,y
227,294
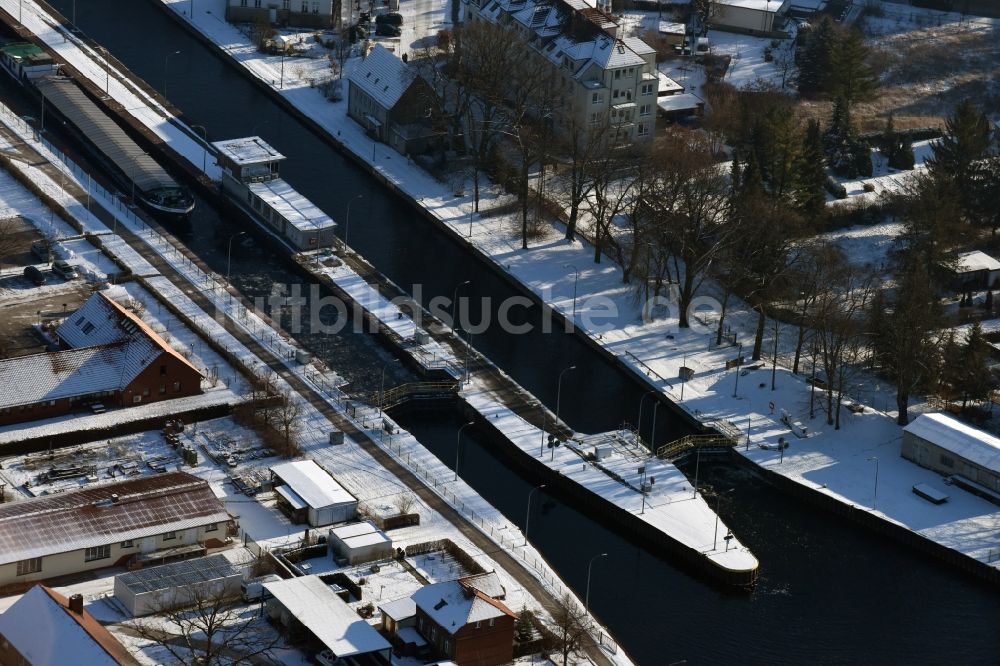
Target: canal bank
x,y
854,592
704,412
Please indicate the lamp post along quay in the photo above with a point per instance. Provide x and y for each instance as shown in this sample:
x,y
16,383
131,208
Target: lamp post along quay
x,y
527,514
586,597
458,445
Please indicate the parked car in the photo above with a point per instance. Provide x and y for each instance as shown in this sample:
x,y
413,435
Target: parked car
x,y
253,589
42,250
34,275
392,18
65,270
387,30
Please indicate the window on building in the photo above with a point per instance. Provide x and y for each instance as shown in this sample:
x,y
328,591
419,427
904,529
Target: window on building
x,y
212,527
136,399
163,370
145,391
631,71
128,544
87,328
644,109
286,4
596,98
647,88
478,625
169,536
97,553
177,387
643,129
493,621
25,567
618,73
256,3
305,7
243,3
163,389
595,119
315,8
446,646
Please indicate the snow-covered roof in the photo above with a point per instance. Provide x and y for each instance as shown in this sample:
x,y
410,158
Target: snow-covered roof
x,y
670,28
35,378
399,609
112,347
453,605
963,440
106,514
312,483
488,583
969,262
45,632
681,102
248,150
383,76
668,85
756,5
326,615
301,213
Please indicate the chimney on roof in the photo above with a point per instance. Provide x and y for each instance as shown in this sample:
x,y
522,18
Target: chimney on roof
x,y
76,604
114,497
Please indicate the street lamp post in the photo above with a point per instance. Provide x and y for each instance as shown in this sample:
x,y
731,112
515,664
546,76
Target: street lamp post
x,y
875,498
586,597
718,506
204,149
527,515
166,59
347,219
576,278
381,388
229,254
638,427
559,403
739,364
458,445
652,433
454,300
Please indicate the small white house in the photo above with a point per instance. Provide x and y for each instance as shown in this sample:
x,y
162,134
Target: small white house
x,y
360,542
310,495
751,16
948,446
976,270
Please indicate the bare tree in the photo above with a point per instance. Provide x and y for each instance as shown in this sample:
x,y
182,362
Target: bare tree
x,y
206,626
839,326
690,206
284,417
569,624
404,502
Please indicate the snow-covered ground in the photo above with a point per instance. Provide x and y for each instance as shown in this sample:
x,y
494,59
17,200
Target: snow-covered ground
x,y
656,349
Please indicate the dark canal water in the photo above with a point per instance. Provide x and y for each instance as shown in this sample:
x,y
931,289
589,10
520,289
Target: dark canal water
x,y
828,593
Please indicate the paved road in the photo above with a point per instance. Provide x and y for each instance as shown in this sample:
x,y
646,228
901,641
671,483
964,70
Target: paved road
x,y
506,561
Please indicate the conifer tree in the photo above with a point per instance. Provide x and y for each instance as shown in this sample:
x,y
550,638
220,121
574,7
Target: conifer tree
x,y
810,194
850,75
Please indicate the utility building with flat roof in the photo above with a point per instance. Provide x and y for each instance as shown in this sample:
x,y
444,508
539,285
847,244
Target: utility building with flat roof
x,y
310,495
183,583
948,446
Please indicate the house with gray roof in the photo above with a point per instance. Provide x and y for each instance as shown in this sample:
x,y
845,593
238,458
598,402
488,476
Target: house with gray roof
x,y
392,102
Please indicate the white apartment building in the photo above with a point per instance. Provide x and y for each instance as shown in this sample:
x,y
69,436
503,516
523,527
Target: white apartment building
x,y
605,80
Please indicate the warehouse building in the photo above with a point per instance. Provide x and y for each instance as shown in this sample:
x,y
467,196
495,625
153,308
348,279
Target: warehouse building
x,y
144,520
